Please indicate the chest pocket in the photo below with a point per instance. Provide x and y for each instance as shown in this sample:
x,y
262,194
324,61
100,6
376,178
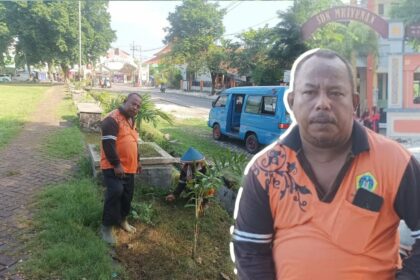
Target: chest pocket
x,y
353,227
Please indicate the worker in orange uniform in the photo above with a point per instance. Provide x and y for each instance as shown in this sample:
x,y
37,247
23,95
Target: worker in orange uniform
x,y
119,162
325,201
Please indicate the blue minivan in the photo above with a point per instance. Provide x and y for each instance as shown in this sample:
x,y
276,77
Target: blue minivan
x,y
254,114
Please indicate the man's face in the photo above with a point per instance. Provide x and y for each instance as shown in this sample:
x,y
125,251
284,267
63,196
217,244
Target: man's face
x,y
132,105
322,101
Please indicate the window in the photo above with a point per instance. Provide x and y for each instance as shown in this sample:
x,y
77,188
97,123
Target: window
x,y
221,101
253,104
416,86
269,105
381,10
239,100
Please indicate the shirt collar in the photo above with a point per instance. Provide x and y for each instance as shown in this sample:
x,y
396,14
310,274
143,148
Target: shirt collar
x,y
123,112
359,139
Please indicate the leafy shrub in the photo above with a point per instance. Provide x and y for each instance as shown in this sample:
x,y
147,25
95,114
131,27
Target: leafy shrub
x,y
143,211
231,168
148,112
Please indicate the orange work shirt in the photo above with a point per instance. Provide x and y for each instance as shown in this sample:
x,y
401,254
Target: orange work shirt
x,y
126,143
280,214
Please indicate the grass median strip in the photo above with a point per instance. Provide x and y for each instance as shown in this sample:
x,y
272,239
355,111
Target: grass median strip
x,y
192,133
67,245
64,143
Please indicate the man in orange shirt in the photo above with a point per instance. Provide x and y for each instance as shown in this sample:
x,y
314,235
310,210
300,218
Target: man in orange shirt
x,y
119,162
325,201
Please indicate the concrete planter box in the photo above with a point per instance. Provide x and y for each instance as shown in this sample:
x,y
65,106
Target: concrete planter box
x,y
156,171
90,115
226,198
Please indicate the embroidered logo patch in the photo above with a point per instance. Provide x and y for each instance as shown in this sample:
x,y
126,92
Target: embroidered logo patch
x,y
366,181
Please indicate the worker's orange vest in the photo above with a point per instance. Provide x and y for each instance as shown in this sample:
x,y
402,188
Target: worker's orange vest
x,y
337,240
126,145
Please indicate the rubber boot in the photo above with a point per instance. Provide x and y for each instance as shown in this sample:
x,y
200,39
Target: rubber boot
x,y
127,227
108,235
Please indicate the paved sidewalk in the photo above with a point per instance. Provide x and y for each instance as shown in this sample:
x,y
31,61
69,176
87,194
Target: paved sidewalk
x,y
24,170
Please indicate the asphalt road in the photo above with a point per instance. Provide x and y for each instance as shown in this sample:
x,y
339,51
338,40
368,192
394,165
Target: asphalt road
x,y
184,105
183,100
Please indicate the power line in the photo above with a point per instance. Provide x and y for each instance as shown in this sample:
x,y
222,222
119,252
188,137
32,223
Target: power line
x,y
233,7
230,4
154,49
239,32
131,46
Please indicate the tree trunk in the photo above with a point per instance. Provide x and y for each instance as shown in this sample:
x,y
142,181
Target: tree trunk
x,y
65,70
49,71
213,81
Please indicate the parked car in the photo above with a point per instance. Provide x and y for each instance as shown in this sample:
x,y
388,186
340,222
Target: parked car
x,y
22,77
254,114
5,78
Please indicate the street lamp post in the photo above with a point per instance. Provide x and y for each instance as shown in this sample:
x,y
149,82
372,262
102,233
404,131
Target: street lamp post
x,y
80,42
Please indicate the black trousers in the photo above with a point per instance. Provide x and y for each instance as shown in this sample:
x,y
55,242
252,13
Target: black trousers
x,y
118,197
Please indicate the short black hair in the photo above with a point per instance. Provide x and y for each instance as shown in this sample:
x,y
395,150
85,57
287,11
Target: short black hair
x,y
325,53
132,94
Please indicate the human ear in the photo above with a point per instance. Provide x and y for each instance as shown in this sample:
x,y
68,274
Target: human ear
x,y
291,99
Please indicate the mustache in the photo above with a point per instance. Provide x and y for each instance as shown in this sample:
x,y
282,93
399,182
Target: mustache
x,y
322,118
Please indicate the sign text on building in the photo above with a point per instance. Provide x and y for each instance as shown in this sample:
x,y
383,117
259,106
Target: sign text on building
x,y
345,13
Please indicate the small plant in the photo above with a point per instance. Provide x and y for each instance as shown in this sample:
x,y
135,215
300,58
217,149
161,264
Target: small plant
x,y
143,212
202,188
150,113
231,166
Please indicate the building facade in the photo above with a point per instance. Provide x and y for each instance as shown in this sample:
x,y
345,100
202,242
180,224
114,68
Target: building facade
x,y
390,81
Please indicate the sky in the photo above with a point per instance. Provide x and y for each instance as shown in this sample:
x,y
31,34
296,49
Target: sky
x,y
142,22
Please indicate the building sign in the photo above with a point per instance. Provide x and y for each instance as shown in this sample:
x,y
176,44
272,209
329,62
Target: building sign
x,y
413,31
343,14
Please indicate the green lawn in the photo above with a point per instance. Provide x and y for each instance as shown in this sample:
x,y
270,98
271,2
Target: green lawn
x,y
190,133
66,142
16,104
67,245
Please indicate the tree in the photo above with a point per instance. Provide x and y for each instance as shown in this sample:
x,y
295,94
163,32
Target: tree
x,y
47,31
216,62
350,39
96,30
166,73
408,11
194,26
251,56
289,43
5,36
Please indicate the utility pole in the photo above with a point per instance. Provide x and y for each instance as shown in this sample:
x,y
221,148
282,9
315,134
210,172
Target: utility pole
x,y
140,69
80,43
133,49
